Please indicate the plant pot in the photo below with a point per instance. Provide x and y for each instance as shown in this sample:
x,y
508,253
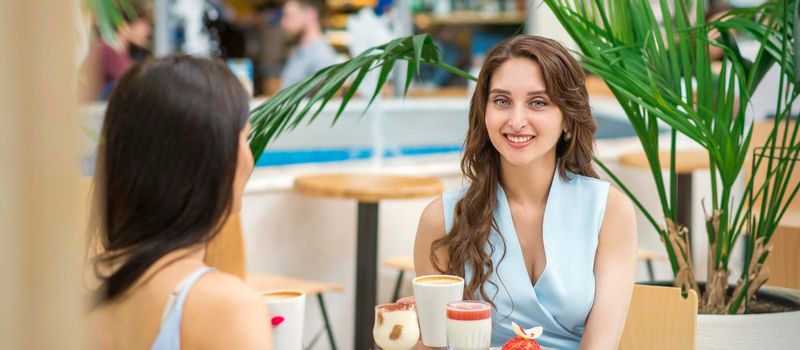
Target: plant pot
x,y
779,330
775,331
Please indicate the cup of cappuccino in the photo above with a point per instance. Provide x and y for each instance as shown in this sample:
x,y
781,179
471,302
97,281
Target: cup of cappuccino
x,y
287,310
432,293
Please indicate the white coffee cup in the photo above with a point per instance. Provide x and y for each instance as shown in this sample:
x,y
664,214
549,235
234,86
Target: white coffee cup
x,y
431,294
287,309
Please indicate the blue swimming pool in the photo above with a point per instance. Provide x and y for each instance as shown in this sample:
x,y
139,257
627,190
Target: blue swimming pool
x,y
606,128
289,157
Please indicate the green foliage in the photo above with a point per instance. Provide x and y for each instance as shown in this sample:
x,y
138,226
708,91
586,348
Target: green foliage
x,y
661,73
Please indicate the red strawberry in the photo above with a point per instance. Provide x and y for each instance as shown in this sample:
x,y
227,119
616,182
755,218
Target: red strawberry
x,y
525,339
520,343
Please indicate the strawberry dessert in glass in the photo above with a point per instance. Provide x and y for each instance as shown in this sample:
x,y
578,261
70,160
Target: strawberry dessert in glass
x,y
469,325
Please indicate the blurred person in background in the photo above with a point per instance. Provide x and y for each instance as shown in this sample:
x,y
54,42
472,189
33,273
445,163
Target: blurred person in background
x,y
109,60
271,53
301,21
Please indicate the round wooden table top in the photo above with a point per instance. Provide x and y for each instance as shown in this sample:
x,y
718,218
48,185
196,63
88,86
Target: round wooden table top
x,y
686,161
368,187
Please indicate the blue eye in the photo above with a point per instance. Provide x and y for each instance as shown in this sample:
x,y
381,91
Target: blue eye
x,y
501,102
538,104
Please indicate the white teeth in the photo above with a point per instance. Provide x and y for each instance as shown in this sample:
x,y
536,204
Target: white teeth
x,y
519,139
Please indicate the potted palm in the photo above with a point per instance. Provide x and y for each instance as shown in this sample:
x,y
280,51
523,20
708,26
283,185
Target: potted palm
x,y
661,74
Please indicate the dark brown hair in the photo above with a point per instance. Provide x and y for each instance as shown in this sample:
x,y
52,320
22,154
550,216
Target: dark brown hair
x,y
166,164
467,240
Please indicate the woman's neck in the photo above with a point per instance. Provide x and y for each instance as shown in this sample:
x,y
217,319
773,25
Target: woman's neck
x,y
190,257
189,254
194,255
528,184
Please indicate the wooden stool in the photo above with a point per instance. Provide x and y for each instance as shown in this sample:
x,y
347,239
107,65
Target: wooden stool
x,y
226,253
648,256
368,190
405,264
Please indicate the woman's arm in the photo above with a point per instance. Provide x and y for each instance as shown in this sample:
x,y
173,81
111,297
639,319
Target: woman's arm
x,y
614,270
431,228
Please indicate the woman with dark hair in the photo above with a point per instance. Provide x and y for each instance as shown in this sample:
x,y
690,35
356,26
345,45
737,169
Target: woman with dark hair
x,y
172,164
535,233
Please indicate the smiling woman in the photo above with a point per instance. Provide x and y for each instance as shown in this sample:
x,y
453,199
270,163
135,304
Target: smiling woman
x,y
535,233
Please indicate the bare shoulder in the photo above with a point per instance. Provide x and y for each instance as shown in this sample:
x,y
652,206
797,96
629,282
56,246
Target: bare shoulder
x,y
619,206
225,313
219,289
225,294
431,223
620,217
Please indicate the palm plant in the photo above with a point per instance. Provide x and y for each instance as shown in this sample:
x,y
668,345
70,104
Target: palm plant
x,y
661,74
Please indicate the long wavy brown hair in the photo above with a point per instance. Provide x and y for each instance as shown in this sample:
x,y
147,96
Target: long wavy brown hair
x,y
468,239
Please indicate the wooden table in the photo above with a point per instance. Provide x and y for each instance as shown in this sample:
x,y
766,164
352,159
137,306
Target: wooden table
x,y
686,162
368,190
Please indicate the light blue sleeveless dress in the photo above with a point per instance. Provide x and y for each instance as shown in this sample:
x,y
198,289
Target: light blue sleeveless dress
x,y
169,335
563,296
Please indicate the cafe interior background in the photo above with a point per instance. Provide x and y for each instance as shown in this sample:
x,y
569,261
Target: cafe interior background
x,y
50,125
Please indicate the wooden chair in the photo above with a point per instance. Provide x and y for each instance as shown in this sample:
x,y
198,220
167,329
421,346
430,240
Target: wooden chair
x,y
226,253
660,318
405,264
